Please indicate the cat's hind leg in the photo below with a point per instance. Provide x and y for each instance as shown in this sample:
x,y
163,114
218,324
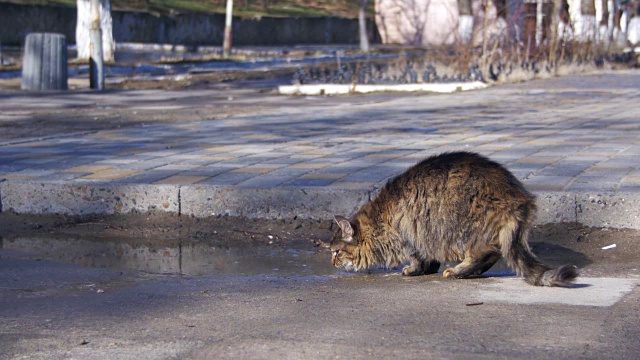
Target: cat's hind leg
x,y
417,266
472,266
487,262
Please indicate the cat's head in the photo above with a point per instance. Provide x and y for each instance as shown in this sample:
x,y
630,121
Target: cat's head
x,y
344,245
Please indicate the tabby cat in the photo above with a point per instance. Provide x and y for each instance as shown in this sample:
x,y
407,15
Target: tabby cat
x,y
457,206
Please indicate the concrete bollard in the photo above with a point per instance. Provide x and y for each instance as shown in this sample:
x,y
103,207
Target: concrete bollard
x,y
45,62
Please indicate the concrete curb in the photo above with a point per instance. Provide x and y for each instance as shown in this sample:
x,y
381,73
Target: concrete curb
x,y
25,197
619,210
343,89
615,210
275,203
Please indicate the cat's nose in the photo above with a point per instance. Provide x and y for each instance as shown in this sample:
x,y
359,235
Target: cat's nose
x,y
334,259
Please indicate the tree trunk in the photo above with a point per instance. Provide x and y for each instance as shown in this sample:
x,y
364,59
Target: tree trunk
x,y
228,30
502,9
556,14
464,7
605,13
589,23
617,15
83,30
362,23
539,25
588,7
564,12
465,22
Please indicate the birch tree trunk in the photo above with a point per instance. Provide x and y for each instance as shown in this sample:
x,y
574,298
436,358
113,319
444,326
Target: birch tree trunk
x,y
465,24
589,23
83,30
228,30
588,7
362,24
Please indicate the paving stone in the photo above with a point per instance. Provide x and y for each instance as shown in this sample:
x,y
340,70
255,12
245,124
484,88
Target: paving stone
x,y
144,165
230,178
547,183
275,178
110,174
374,175
606,186
62,176
181,180
148,177
310,182
10,167
566,168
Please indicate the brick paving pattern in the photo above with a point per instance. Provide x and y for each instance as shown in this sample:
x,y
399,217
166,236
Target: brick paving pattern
x,y
572,134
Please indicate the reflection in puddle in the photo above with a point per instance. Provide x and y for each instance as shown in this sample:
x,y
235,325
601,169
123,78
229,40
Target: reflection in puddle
x,y
175,257
196,257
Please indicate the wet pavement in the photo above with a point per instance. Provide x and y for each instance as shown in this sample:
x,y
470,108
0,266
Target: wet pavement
x,y
573,141
180,257
141,299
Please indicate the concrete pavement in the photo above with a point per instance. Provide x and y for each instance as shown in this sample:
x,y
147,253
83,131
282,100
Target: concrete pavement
x,y
574,141
304,308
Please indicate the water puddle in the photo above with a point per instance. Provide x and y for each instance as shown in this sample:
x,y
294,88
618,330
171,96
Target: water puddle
x,y
211,257
176,257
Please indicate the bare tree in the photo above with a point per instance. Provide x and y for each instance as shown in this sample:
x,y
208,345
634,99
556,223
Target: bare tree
x,y
83,30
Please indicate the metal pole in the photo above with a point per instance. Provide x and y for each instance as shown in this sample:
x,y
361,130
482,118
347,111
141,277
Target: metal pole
x,y
96,60
226,45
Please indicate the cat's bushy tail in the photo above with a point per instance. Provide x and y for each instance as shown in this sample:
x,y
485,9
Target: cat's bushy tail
x,y
515,249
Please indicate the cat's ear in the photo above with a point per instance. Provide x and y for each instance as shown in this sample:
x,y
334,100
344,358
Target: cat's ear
x,y
345,226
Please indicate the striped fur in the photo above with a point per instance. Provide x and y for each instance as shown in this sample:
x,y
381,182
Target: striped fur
x,y
456,206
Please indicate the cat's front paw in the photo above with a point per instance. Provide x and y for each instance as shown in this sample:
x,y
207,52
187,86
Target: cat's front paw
x,y
450,273
409,271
